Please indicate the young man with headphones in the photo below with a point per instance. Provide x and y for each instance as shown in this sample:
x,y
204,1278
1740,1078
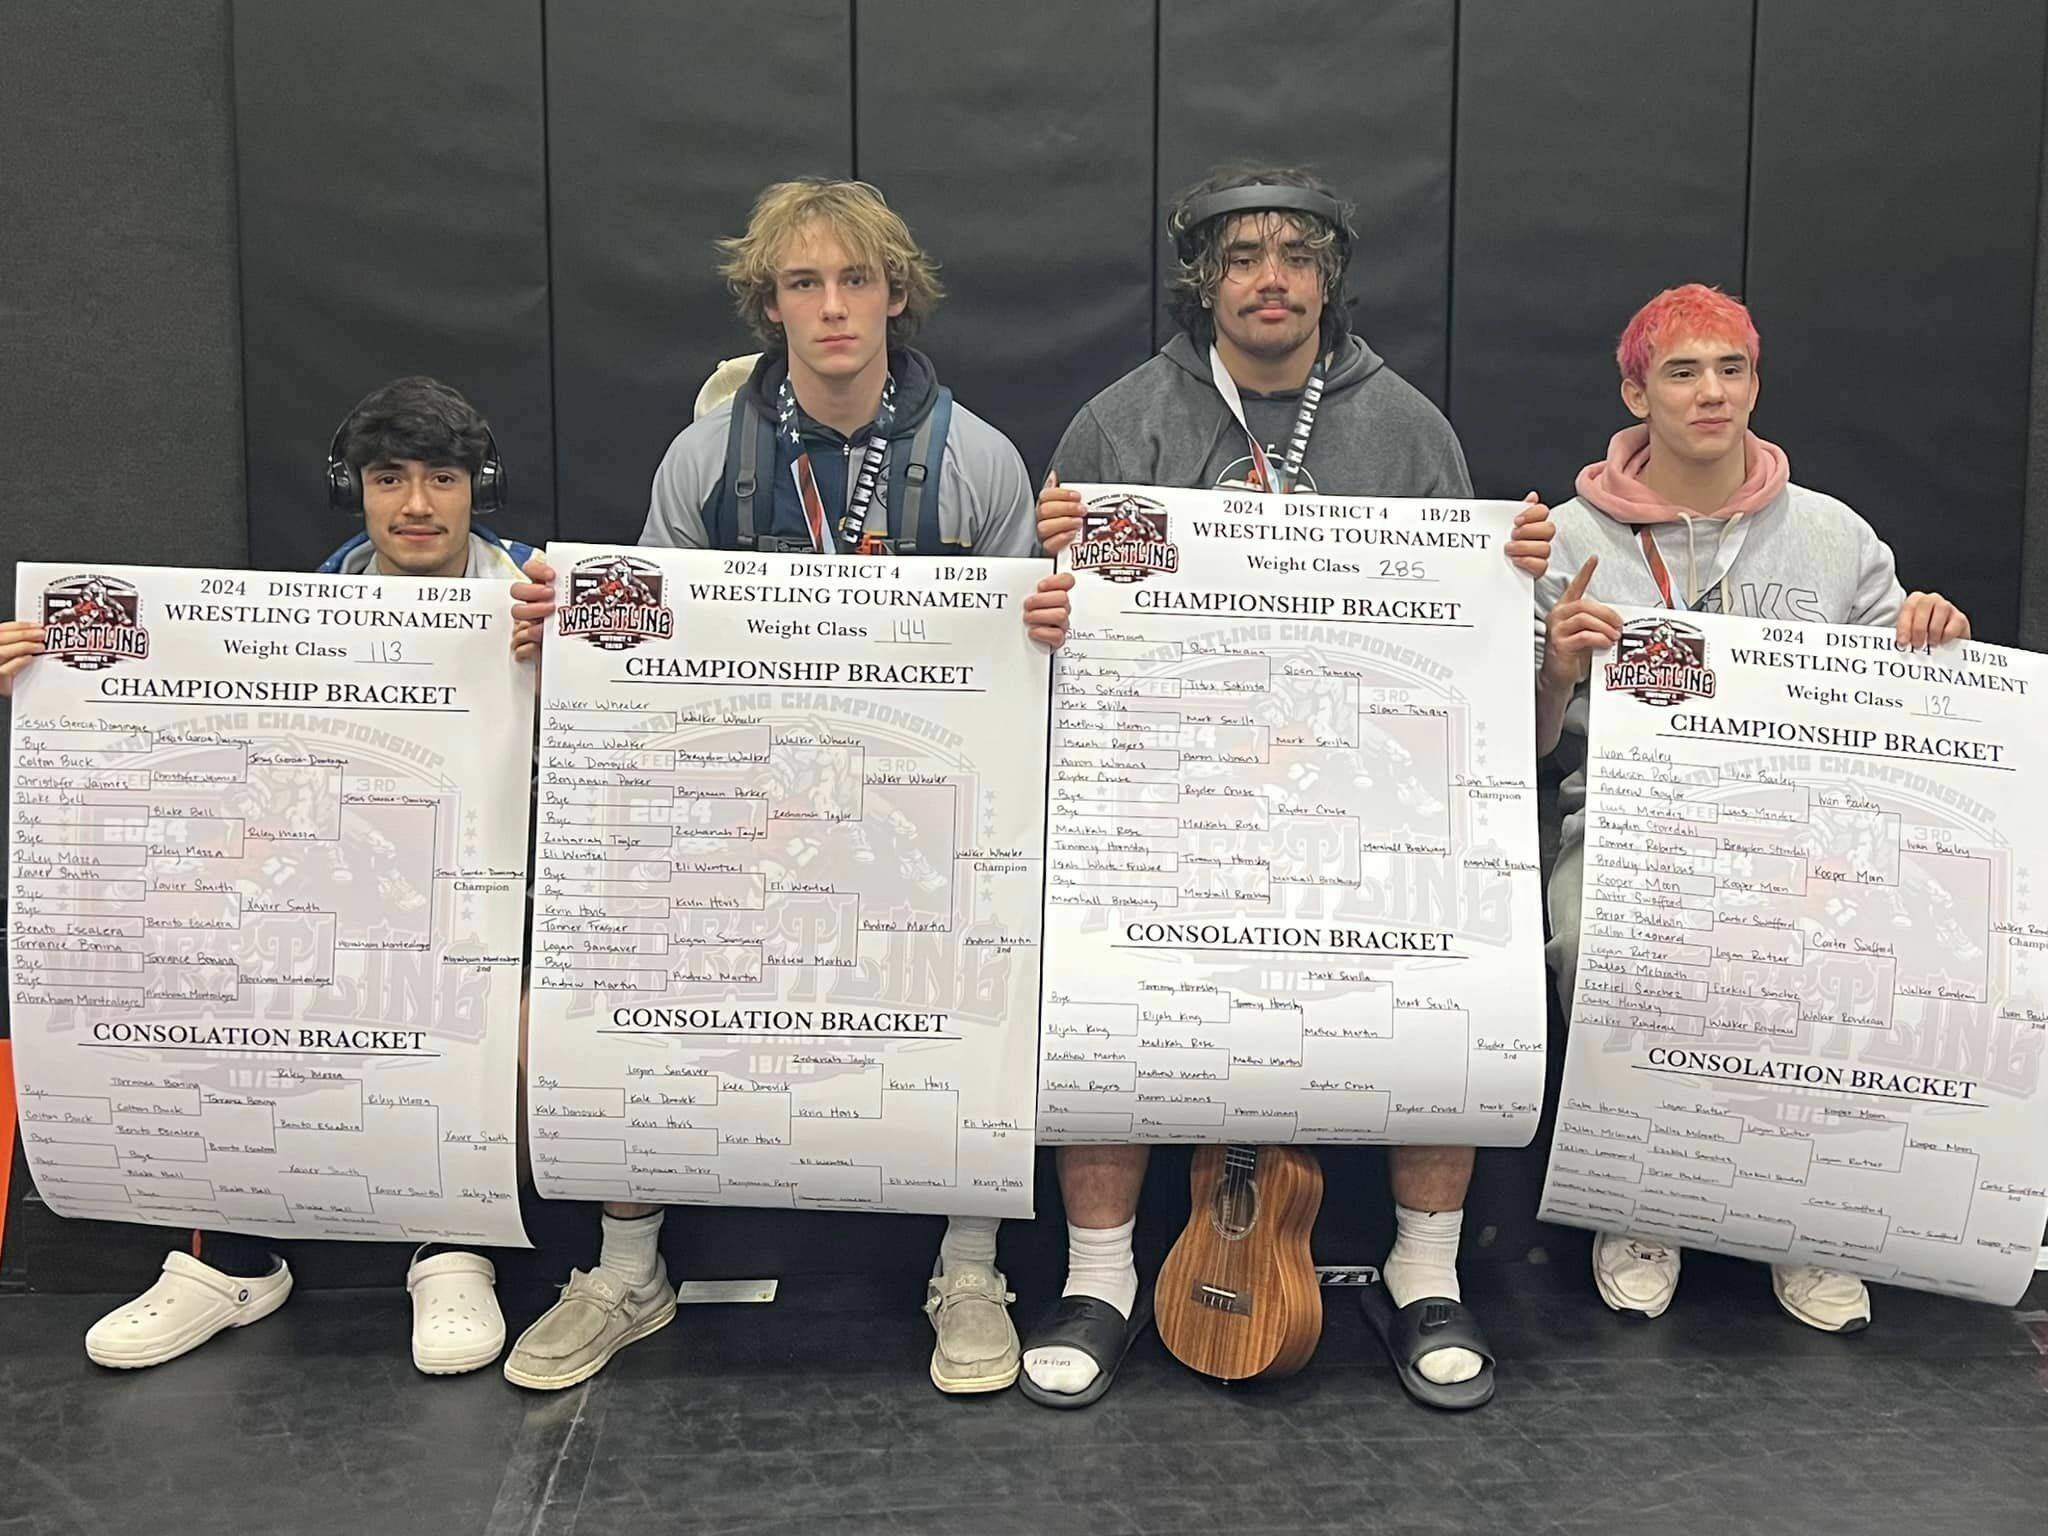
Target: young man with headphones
x,y
415,461
418,465
1266,388
841,440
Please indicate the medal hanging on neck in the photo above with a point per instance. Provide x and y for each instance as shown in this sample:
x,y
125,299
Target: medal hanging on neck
x,y
1265,476
861,498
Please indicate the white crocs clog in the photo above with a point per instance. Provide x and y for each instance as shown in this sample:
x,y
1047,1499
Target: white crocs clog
x,y
188,1305
456,1324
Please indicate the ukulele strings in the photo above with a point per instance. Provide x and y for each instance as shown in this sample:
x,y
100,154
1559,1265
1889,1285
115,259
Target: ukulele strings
x,y
1219,1219
1238,1221
1237,1182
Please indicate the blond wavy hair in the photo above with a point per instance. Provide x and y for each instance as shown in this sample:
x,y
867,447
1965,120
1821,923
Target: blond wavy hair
x,y
863,222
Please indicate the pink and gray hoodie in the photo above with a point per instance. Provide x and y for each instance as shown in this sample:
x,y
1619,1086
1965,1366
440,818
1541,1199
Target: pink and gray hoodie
x,y
1806,556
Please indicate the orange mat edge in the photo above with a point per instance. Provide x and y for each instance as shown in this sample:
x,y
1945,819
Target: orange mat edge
x,y
6,1130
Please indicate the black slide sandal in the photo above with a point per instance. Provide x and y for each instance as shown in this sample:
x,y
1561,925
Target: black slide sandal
x,y
1099,1331
1423,1327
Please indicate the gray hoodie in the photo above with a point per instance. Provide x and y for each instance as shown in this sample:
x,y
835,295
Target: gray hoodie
x,y
1163,423
1806,556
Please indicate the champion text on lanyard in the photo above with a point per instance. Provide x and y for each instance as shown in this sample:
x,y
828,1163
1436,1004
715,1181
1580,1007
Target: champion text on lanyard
x,y
1263,474
1730,545
866,486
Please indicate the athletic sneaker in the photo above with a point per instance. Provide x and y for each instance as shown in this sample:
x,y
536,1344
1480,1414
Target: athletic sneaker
x,y
977,1348
1825,1299
1634,1274
597,1317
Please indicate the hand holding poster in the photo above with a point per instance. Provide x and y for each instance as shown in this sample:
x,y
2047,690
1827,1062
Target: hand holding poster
x,y
1812,990
787,892
1291,870
267,901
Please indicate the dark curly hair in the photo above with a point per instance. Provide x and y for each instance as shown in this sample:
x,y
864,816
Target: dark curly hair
x,y
1199,261
415,418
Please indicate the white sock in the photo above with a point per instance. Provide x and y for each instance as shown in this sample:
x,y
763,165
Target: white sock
x,y
1099,1264
969,1240
632,1247
1424,1262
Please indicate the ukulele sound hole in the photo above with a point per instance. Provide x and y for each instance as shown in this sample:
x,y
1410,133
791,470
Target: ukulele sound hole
x,y
1234,1209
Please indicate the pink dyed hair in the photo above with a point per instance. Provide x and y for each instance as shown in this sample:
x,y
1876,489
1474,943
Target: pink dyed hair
x,y
1691,310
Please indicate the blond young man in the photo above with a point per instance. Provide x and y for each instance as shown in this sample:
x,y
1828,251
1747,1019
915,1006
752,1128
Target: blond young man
x,y
841,441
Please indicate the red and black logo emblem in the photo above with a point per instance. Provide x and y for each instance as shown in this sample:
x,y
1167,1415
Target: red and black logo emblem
x,y
1661,661
91,622
615,602
1124,537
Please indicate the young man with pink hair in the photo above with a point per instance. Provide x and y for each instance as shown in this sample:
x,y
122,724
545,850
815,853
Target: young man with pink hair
x,y
1690,509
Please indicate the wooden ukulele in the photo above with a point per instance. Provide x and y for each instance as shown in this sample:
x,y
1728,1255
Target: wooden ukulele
x,y
1237,1297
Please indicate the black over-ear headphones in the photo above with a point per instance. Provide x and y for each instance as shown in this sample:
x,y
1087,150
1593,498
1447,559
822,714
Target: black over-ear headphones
x,y
1264,198
345,486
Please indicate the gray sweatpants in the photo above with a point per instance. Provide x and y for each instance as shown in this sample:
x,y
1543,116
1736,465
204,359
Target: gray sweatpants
x,y
1567,886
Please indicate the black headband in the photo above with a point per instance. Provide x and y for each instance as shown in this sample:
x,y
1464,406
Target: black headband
x,y
1265,198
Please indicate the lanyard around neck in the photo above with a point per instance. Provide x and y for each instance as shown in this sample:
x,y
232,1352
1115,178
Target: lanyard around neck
x,y
1732,536
866,493
1297,441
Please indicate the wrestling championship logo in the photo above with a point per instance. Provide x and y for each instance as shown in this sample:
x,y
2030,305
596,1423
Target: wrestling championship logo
x,y
615,602
1124,537
1661,661
91,622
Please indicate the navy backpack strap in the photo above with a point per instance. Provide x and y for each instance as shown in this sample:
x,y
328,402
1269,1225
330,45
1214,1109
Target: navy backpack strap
x,y
914,488
749,476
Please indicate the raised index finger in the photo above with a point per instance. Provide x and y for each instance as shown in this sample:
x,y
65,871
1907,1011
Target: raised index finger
x,y
1581,581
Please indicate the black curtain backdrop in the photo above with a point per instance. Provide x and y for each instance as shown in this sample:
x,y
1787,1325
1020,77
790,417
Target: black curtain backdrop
x,y
1891,262
660,119
223,222
1583,186
1363,91
394,219
1031,184
229,221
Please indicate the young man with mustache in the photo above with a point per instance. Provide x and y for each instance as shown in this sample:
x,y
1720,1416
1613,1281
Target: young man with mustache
x,y
1266,387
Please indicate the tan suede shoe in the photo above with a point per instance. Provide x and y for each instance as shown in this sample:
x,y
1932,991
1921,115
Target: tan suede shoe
x,y
596,1318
